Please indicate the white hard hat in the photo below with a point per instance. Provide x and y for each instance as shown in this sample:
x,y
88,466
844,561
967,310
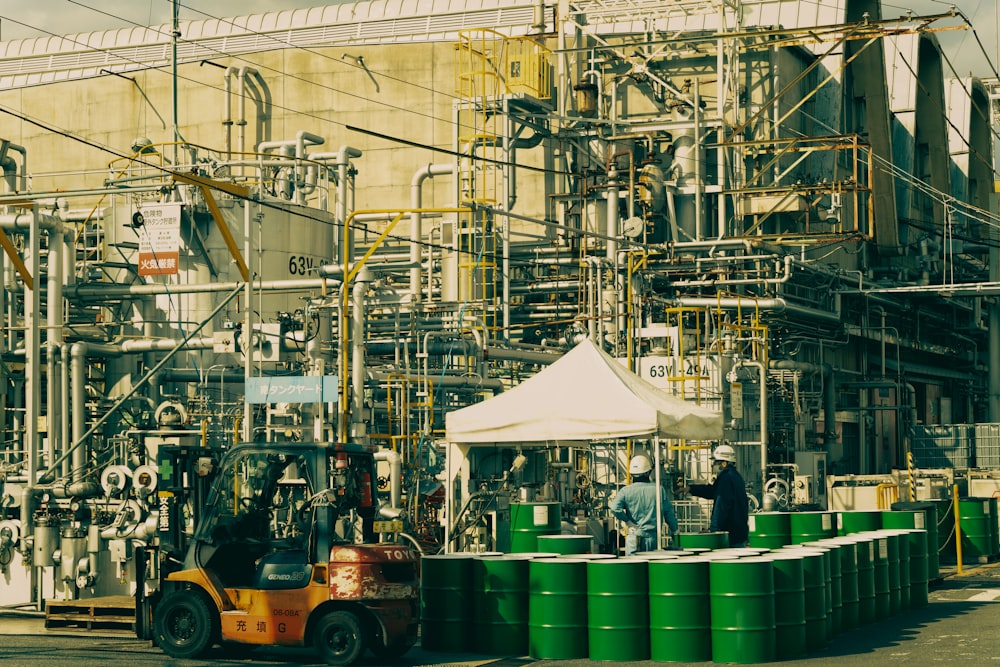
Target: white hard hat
x,y
724,453
640,465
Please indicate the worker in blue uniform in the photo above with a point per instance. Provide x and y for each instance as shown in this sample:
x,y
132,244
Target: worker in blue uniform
x,y
635,504
729,493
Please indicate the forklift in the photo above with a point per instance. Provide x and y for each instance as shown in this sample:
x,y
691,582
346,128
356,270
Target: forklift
x,y
275,544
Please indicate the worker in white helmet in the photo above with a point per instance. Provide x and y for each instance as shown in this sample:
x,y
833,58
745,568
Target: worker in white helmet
x,y
729,493
635,504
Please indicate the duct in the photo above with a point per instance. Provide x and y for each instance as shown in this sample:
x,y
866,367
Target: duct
x,y
416,230
395,475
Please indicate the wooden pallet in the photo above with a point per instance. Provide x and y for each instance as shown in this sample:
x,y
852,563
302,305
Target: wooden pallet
x,y
114,612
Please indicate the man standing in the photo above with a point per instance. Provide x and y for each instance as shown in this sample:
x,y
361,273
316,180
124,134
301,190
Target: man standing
x,y
636,506
729,492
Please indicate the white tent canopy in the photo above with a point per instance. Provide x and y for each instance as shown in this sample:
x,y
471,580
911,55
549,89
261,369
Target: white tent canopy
x,y
585,395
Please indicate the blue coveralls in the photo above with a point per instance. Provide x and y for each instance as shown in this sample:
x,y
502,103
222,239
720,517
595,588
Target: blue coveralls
x,y
636,506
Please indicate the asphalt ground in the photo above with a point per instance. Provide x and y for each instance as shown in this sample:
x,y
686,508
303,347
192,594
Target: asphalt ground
x,y
958,626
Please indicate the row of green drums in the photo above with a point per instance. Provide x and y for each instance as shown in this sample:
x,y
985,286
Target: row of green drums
x,y
725,605
778,529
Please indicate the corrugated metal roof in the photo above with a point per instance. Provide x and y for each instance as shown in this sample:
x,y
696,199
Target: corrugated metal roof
x,y
27,62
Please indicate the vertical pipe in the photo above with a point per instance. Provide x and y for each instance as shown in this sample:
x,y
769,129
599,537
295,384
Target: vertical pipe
x,y
174,34
358,370
32,312
958,526
78,400
416,229
65,406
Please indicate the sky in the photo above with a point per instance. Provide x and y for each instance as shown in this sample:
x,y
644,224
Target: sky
x,y
33,18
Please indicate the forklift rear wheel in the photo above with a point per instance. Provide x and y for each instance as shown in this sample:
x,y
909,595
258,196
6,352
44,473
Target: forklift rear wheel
x,y
338,638
183,624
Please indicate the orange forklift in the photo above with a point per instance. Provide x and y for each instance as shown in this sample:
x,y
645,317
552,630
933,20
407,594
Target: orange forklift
x,y
275,545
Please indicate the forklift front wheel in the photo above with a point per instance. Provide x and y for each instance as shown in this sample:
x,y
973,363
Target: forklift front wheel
x,y
338,638
183,624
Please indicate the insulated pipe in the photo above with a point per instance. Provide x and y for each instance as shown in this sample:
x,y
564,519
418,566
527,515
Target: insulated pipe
x,y
241,101
776,304
227,112
346,153
32,343
10,166
612,231
105,292
416,230
78,403
359,289
395,474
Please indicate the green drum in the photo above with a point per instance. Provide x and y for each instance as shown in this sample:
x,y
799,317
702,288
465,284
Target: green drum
x,y
679,610
978,537
557,608
742,610
880,568
446,602
708,540
815,569
789,604
566,544
925,517
500,604
812,526
835,590
848,581
892,540
529,520
918,567
618,609
866,579
770,529
858,521
904,570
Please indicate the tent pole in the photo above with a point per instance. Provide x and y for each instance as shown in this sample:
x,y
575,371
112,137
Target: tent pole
x,y
659,493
